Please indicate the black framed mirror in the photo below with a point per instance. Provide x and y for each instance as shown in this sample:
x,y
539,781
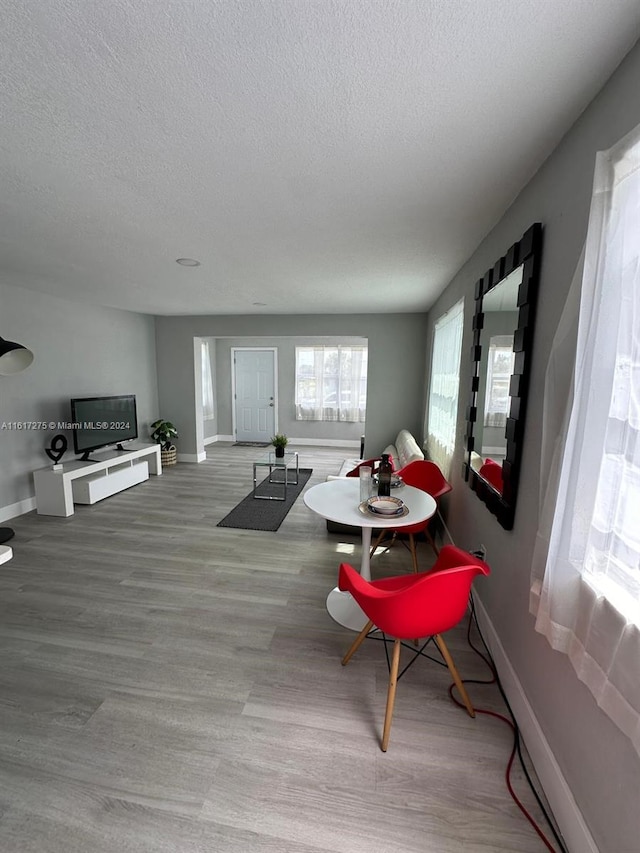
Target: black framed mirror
x,y
505,301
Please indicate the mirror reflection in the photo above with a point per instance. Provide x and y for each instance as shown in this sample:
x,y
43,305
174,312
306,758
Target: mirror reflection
x,y
502,335
500,308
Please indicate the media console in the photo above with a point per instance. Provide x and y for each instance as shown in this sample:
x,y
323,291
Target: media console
x,y
87,482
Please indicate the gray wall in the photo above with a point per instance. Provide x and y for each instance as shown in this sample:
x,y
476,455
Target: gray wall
x,y
286,420
80,350
395,371
598,762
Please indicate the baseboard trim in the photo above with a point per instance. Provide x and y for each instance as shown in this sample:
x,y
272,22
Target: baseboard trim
x,y
14,510
313,442
565,809
192,457
326,442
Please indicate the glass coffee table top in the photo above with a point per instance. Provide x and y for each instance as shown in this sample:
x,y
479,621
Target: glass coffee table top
x,y
270,458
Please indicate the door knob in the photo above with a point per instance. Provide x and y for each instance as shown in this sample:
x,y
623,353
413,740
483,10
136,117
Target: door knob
x,y
271,404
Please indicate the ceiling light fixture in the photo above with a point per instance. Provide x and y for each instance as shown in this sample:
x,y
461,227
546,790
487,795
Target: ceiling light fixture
x,y
188,262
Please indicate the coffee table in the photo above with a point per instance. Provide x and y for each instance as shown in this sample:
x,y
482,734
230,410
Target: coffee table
x,y
288,464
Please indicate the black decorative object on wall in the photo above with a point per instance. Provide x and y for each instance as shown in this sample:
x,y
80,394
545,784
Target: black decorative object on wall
x,y
58,448
14,358
521,261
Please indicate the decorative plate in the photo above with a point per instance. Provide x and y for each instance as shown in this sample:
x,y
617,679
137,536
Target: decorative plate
x,y
365,509
385,505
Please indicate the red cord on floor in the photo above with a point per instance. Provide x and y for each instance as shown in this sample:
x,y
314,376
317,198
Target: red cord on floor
x,y
514,796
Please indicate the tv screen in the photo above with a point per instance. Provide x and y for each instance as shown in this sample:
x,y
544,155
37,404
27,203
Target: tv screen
x,y
100,421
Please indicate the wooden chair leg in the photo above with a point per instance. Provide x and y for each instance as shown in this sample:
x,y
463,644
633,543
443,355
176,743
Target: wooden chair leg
x,y
357,643
432,541
391,694
381,536
444,651
414,556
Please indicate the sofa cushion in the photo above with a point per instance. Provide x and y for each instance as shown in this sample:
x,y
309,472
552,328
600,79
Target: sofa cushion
x,y
406,449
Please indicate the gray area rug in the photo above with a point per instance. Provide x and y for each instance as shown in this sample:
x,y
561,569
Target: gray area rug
x,y
254,514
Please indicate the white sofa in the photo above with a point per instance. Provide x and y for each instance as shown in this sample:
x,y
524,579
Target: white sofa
x,y
404,450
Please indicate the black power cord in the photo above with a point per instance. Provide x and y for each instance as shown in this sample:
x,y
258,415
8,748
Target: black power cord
x,y
517,744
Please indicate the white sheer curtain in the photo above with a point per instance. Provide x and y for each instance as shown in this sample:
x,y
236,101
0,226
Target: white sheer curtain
x,y
587,598
208,409
499,370
331,383
443,389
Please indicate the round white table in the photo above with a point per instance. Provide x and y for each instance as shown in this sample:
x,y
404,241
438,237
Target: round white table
x,y
339,500
5,553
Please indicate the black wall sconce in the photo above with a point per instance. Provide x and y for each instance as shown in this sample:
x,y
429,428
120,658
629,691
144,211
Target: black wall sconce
x,y
13,357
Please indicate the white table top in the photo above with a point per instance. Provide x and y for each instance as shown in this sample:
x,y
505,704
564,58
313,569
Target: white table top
x,y
5,553
338,500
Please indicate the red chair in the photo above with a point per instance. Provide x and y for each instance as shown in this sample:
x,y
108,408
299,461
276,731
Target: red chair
x,y
409,606
374,464
491,471
427,476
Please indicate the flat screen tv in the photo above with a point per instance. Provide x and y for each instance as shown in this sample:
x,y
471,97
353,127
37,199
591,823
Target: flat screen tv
x,y
103,421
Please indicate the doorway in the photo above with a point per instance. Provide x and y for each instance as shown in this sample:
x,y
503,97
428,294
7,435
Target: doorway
x,y
254,393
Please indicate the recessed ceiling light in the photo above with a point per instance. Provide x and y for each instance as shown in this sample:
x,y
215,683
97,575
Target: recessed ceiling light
x,y
188,262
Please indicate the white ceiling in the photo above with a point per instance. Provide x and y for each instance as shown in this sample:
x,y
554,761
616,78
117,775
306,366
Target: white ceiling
x,y
318,156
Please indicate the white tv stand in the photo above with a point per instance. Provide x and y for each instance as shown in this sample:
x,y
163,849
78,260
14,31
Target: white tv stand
x,y
87,482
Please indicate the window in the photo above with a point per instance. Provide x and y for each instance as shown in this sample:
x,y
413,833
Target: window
x,y
208,409
587,600
331,383
443,390
499,370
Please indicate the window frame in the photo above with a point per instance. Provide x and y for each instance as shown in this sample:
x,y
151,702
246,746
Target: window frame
x,y
319,412
441,447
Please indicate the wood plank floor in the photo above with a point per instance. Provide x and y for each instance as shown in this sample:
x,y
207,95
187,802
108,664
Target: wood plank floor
x,y
168,685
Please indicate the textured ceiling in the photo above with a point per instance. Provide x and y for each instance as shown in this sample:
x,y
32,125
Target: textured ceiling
x,y
315,155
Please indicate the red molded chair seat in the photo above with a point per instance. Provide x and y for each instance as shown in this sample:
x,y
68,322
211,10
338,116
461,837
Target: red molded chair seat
x,y
491,471
427,476
418,605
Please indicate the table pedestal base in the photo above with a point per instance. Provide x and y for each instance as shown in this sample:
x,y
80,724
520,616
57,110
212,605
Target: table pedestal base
x,y
342,607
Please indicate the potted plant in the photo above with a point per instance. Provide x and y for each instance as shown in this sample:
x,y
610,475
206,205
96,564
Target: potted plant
x,y
279,441
163,433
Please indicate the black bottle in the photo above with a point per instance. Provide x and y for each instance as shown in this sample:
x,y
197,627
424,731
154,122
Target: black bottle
x,y
384,476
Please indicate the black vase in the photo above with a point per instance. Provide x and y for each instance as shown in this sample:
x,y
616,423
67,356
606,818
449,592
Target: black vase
x,y
280,452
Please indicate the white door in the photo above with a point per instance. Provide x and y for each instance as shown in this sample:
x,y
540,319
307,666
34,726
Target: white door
x,y
254,372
